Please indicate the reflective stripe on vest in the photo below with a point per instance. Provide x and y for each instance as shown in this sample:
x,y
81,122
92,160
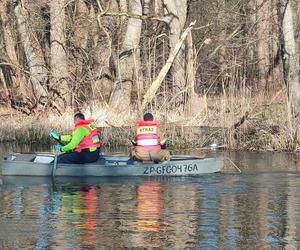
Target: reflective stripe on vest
x,y
92,140
147,137
147,142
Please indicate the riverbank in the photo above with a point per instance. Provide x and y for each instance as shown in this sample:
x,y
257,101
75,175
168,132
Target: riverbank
x,y
231,123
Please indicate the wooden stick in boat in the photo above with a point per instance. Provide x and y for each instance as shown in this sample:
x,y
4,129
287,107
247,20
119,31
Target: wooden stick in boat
x,y
54,164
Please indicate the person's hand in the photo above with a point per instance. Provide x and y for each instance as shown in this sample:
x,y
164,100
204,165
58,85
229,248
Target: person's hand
x,y
57,147
54,135
163,143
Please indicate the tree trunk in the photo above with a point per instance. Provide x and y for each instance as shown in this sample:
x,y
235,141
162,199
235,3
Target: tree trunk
x,y
58,61
146,7
223,43
33,53
103,70
4,90
5,49
263,15
289,55
128,61
158,7
176,13
157,82
4,93
80,53
82,25
192,106
17,91
7,34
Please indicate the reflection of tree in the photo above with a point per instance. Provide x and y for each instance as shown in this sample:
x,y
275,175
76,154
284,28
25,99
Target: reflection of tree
x,y
247,218
248,211
291,229
24,217
116,216
259,217
180,216
210,216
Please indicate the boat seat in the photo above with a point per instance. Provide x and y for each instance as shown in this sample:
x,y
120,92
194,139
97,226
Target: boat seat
x,y
25,157
151,162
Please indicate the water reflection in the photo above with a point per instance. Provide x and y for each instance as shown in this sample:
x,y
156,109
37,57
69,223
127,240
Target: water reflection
x,y
148,213
258,209
250,211
77,215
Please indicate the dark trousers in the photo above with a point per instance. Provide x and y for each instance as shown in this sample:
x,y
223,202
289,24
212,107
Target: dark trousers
x,y
85,156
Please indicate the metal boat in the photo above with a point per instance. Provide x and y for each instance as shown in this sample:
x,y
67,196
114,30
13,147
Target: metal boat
x,y
41,164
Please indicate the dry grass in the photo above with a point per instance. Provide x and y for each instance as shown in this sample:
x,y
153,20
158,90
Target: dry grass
x,y
213,123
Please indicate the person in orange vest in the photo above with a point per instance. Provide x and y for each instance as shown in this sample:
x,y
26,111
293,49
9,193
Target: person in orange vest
x,y
147,143
83,146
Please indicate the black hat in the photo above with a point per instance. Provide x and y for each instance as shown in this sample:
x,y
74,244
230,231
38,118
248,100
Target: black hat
x,y
148,117
79,116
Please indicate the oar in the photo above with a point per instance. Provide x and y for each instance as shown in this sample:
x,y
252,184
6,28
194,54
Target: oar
x,y
54,164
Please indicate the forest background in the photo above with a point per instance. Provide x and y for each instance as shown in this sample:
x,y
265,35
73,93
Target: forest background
x,y
217,71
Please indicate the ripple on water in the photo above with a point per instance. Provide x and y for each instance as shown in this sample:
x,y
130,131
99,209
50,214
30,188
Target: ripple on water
x,y
253,210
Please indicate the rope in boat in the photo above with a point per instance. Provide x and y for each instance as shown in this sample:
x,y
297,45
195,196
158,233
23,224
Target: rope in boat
x,y
233,164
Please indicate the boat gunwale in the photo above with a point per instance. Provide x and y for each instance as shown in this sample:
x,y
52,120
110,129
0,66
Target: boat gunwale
x,y
117,168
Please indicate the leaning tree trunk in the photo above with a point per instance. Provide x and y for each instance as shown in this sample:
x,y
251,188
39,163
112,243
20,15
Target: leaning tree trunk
x,y
150,93
58,61
33,53
176,13
289,54
128,60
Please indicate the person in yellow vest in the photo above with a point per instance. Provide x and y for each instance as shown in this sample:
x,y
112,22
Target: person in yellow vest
x,y
83,146
147,143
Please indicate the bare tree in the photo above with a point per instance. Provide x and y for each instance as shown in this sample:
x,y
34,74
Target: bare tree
x,y
175,12
262,22
33,53
58,62
104,37
4,90
128,60
9,58
110,50
289,54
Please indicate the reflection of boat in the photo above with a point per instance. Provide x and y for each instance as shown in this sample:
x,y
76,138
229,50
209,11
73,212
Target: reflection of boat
x,y
149,198
148,206
39,164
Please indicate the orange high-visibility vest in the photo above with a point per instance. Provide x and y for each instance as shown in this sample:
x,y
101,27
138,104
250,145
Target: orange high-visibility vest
x,y
147,137
92,140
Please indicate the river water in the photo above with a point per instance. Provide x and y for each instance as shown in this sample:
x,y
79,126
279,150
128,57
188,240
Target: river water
x,y
256,209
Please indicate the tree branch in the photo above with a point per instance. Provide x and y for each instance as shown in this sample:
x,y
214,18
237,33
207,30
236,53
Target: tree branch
x,y
130,15
156,83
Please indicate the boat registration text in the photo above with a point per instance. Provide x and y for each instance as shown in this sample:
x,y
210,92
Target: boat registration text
x,y
170,169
